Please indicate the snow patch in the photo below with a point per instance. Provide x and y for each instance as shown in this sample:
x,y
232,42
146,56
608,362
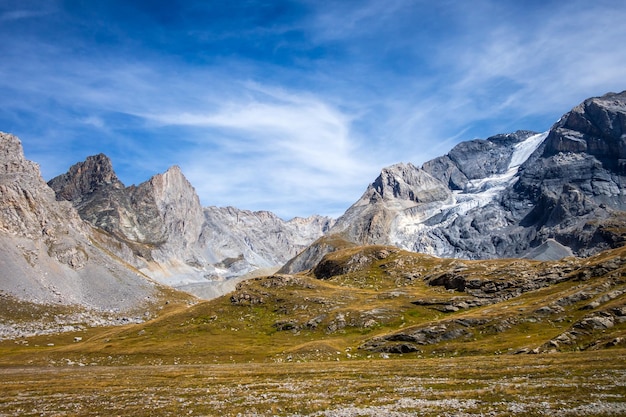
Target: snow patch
x,y
524,149
479,193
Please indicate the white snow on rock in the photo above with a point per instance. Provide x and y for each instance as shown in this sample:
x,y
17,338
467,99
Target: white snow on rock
x,y
411,225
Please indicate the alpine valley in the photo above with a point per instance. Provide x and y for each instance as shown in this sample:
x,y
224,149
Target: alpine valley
x,y
509,250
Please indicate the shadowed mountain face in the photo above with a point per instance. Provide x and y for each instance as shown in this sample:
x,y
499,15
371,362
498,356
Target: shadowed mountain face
x,y
540,195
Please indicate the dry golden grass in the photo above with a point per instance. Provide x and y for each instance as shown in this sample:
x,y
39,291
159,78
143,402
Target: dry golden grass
x,y
292,345
301,318
584,383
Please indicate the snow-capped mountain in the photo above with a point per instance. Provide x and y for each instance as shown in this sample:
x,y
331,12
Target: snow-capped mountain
x,y
526,194
478,193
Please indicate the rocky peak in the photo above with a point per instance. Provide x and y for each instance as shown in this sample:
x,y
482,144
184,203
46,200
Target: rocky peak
x,y
177,203
596,127
27,205
475,159
10,152
398,188
85,178
504,196
12,156
409,183
171,185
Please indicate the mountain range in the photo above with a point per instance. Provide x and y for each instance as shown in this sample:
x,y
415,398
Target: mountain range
x,y
85,239
169,236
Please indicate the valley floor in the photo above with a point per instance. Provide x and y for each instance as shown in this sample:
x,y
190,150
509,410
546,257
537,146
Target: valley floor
x,y
589,383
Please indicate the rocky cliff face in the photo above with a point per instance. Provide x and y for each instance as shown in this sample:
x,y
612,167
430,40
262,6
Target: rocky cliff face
x,y
575,182
398,188
521,194
25,209
475,159
163,230
49,255
164,212
231,236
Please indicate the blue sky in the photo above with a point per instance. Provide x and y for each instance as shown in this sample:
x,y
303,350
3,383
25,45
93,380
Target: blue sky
x,y
292,106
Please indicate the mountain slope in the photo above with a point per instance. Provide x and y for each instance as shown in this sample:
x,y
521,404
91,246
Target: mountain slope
x,y
51,257
506,196
375,301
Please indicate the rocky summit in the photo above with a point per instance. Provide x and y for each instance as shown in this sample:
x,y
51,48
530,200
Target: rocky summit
x,y
525,194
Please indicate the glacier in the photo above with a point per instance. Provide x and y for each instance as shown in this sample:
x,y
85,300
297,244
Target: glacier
x,y
412,227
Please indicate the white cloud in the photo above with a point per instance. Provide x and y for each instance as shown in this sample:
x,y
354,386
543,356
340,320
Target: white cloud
x,y
501,70
566,55
277,148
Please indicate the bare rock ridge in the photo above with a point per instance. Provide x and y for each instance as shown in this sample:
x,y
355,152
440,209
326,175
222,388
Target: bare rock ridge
x,y
151,213
49,255
524,194
83,180
163,230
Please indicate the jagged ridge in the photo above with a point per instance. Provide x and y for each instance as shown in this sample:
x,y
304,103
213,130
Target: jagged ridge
x,y
50,256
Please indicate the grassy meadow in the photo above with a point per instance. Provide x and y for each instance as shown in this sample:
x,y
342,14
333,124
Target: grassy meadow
x,y
563,384
374,333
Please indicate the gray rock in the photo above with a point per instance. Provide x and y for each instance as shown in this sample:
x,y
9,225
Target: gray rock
x,y
550,250
619,311
49,255
596,323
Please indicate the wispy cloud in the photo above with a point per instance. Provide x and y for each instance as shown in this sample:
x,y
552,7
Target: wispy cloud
x,y
21,14
553,59
501,70
289,148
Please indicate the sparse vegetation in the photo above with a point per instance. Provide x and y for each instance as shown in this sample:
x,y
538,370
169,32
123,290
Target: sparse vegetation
x,y
566,384
376,331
